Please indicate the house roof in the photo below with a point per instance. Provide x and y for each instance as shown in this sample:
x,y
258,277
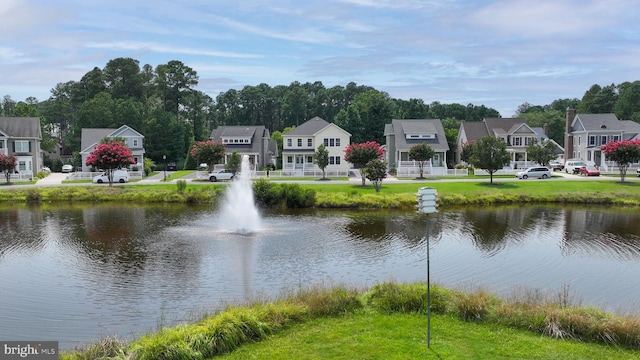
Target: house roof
x,y
401,127
600,122
255,132
309,128
474,130
21,127
92,136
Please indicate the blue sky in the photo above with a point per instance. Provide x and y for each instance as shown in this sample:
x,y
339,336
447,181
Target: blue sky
x,y
499,53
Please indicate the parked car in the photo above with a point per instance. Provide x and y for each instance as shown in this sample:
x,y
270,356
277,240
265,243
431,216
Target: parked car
x,y
589,170
534,172
220,175
171,167
203,166
67,168
119,176
556,165
638,172
573,166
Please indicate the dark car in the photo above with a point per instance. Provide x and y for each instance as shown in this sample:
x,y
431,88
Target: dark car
x,y
171,167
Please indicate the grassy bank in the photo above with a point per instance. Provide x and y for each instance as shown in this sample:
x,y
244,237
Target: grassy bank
x,y
329,195
389,321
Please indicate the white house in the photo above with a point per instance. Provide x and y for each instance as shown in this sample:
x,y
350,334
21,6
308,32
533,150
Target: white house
x,y
301,143
132,139
21,136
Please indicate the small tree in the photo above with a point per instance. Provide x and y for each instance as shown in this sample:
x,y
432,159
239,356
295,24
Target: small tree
x,y
490,154
623,152
360,154
467,151
234,163
321,158
376,171
109,156
421,153
209,152
7,165
543,152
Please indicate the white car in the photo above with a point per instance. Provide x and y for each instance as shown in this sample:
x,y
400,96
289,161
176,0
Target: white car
x,y
67,168
119,176
638,172
220,175
534,172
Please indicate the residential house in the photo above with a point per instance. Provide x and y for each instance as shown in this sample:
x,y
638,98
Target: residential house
x,y
92,137
587,132
515,132
301,143
402,134
253,141
21,136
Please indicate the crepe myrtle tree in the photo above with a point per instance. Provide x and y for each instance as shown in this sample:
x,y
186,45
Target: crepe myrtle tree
x,y
360,154
421,153
7,165
110,156
209,152
623,152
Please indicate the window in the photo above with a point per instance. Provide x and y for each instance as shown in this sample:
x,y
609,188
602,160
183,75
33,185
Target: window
x,y
135,159
135,142
337,160
578,144
334,160
310,142
616,137
332,142
310,159
289,142
516,141
603,140
289,159
1,144
299,142
21,146
22,165
338,142
592,140
326,142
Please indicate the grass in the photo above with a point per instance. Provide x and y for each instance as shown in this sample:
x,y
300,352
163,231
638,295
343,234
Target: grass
x,y
385,322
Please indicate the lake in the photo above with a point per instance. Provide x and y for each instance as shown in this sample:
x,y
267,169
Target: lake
x,y
75,273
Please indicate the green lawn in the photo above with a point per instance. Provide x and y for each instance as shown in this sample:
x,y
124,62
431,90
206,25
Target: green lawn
x,y
404,336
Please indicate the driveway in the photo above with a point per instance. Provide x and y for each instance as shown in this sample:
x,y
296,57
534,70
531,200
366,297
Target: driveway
x,y
52,179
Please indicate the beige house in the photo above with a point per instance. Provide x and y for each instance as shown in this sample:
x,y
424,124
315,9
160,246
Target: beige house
x,y
301,143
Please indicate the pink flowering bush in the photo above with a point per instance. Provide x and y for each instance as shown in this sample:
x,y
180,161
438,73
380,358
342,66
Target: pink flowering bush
x,y
623,152
209,152
7,165
360,154
109,156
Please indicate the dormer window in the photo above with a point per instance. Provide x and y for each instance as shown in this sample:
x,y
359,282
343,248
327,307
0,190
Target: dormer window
x,y
420,136
603,126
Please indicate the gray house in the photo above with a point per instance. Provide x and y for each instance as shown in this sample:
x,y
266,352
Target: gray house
x,y
253,141
587,132
21,136
402,134
91,137
515,132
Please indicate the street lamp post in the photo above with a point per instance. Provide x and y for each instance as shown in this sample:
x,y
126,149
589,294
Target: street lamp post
x,y
164,160
427,205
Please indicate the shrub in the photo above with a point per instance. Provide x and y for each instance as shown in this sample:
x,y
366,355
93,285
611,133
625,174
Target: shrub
x,y
391,297
33,195
182,185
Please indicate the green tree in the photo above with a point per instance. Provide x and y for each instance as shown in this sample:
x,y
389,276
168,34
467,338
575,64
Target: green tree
x,y
7,165
209,152
543,152
360,154
376,171
627,106
234,163
321,158
489,154
110,155
421,153
623,152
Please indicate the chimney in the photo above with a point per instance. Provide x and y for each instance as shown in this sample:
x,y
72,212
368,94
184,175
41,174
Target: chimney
x,y
545,129
568,139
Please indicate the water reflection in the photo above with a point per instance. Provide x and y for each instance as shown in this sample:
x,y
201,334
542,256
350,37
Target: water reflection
x,y
81,272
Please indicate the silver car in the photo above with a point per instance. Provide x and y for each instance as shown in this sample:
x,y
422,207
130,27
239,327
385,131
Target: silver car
x,y
220,175
534,172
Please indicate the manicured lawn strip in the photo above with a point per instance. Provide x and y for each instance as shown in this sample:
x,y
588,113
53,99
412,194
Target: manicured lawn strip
x,y
404,336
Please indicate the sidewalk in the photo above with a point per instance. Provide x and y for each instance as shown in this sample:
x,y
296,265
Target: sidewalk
x,y
52,179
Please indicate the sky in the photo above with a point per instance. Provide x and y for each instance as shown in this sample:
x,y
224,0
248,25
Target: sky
x,y
497,53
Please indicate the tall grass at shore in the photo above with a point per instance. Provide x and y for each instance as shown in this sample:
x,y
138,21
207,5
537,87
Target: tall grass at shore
x,y
235,326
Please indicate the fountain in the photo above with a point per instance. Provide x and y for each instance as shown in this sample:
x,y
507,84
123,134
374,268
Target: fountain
x,y
239,213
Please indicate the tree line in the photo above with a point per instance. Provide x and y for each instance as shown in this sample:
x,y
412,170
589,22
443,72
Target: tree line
x,y
163,104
